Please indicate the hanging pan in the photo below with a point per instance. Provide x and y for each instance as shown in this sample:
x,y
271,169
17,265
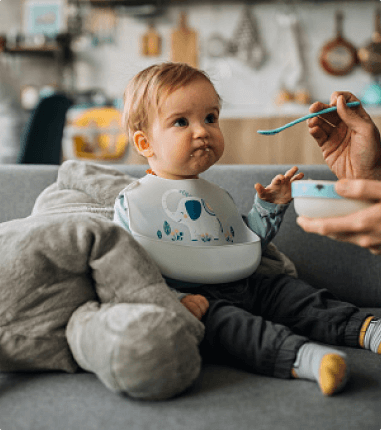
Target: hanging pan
x,y
338,56
370,55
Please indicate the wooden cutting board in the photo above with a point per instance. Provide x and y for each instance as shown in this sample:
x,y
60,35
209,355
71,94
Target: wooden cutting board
x,y
184,43
151,42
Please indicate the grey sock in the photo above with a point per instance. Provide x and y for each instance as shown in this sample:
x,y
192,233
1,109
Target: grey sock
x,y
307,363
372,339
323,364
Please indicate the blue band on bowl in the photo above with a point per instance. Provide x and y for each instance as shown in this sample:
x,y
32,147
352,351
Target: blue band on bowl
x,y
314,189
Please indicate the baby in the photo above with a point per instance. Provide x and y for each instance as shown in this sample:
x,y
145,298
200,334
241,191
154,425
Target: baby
x,y
265,324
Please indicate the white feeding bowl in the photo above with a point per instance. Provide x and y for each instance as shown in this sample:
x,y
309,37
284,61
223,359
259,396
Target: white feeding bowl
x,y
318,199
204,264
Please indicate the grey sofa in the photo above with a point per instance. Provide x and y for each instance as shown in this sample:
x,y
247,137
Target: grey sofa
x,y
222,398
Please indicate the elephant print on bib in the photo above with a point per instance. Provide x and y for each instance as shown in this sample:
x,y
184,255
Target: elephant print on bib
x,y
195,214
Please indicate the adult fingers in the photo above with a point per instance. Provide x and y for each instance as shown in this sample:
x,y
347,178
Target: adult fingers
x,y
321,226
362,222
331,227
332,117
370,240
351,115
363,189
320,123
348,97
319,134
315,107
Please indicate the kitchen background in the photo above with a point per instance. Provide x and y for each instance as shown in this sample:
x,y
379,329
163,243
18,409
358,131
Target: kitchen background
x,y
263,86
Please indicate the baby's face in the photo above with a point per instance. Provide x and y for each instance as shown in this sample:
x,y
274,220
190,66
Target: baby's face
x,y
185,135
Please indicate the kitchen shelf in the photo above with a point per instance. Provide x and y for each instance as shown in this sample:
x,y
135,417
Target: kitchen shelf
x,y
28,50
132,3
57,52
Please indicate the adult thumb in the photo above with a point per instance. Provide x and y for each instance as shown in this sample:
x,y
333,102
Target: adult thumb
x,y
350,116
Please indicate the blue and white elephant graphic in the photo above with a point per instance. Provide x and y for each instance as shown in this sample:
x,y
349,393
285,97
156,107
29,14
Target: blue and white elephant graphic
x,y
196,215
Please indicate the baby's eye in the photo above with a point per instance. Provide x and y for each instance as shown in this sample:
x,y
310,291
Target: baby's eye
x,y
211,118
181,122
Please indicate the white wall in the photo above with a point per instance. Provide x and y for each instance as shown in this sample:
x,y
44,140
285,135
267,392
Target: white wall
x,y
113,65
110,66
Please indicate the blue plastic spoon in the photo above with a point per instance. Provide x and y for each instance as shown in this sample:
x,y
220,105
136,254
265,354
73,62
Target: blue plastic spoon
x,y
303,118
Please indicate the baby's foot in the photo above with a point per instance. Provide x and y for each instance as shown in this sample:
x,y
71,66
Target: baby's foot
x,y
325,365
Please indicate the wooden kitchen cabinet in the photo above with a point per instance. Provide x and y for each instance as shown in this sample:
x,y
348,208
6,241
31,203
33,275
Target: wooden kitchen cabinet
x,y
243,145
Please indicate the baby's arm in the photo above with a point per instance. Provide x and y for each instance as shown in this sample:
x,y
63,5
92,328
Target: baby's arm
x,y
270,205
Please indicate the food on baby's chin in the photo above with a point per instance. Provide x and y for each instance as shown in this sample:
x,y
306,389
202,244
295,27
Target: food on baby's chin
x,y
318,199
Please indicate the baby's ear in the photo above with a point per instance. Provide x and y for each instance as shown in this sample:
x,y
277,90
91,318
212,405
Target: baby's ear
x,y
142,144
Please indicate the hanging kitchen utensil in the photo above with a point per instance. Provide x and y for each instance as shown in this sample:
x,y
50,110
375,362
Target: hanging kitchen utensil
x,y
217,46
301,93
102,23
293,76
246,41
370,55
184,43
151,42
338,56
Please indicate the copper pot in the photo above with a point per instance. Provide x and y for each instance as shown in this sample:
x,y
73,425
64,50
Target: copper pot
x,y
370,55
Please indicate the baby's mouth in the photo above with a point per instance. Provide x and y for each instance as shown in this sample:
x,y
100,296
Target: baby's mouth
x,y
202,151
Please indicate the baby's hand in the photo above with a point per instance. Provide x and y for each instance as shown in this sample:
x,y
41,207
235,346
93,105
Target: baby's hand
x,y
279,191
196,304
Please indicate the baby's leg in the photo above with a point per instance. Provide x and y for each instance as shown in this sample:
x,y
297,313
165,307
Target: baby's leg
x,y
248,341
316,314
143,350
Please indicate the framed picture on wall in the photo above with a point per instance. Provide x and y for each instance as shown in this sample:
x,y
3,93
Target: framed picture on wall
x,y
44,17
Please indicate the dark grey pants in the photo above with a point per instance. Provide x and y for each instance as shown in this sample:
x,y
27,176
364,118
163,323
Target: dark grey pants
x,y
260,322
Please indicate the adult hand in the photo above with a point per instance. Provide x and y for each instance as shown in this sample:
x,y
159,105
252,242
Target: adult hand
x,y
196,304
348,138
363,228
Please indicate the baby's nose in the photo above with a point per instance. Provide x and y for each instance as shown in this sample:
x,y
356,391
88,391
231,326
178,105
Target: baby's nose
x,y
200,130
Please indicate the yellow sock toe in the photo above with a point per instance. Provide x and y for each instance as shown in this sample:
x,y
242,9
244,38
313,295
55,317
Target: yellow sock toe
x,y
332,373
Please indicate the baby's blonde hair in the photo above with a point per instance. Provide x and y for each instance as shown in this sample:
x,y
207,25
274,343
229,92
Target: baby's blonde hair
x,y
147,88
